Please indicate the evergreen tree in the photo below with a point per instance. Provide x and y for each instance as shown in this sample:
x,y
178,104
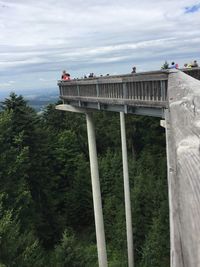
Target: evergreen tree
x,y
46,210
165,66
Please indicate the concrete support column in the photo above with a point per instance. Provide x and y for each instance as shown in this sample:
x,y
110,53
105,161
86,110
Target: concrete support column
x,y
98,213
129,230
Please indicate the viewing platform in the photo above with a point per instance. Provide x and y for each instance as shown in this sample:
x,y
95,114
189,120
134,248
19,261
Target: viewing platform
x,y
174,96
144,93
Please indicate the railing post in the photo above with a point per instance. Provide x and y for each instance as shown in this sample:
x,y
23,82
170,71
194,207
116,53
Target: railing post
x,y
61,90
129,230
97,89
78,90
78,93
98,213
163,94
124,91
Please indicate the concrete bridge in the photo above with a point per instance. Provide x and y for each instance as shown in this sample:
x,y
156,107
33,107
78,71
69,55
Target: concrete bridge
x,y
141,93
174,96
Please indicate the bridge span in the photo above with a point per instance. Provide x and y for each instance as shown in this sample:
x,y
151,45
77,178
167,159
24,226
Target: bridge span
x,y
174,96
141,93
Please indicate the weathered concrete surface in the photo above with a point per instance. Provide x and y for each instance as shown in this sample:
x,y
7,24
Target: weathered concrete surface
x,y
183,151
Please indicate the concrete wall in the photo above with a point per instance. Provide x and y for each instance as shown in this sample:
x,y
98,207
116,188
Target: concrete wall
x,y
183,151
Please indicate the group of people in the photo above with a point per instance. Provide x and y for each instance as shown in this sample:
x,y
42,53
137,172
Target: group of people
x,y
194,64
66,76
174,65
91,75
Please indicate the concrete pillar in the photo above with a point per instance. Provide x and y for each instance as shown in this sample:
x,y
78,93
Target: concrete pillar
x,y
98,213
129,230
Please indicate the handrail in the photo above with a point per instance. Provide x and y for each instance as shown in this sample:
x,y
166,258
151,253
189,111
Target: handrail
x,y
135,76
145,89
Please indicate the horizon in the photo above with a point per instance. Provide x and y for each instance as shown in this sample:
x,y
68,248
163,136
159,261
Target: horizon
x,y
29,94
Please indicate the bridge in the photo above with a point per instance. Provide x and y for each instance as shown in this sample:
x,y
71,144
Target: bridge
x,y
140,93
174,96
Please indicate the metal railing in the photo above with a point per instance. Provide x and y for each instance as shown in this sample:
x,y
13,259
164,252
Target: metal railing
x,y
140,87
145,88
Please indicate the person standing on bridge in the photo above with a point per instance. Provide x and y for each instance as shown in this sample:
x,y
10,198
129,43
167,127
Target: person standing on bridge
x,y
188,66
173,66
65,76
91,75
133,70
194,64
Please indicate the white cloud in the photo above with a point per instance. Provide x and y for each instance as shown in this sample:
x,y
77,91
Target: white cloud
x,y
6,84
40,38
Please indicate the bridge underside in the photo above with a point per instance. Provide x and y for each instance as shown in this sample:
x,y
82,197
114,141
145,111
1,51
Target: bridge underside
x,y
116,105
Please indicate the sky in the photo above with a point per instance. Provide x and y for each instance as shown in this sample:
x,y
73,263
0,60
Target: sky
x,y
39,39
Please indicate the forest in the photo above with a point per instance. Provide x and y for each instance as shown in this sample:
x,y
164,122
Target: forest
x,y
46,209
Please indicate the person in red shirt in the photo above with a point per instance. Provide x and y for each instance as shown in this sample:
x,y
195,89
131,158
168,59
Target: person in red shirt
x,y
65,76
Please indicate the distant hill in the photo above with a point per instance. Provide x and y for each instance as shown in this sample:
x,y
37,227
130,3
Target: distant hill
x,y
37,98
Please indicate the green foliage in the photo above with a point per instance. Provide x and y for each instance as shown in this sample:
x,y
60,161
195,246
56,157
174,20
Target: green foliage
x,y
165,66
23,117
17,247
68,252
90,255
45,188
107,131
113,200
155,249
149,197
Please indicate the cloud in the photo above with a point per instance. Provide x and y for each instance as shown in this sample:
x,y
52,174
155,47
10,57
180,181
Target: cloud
x,y
6,84
41,38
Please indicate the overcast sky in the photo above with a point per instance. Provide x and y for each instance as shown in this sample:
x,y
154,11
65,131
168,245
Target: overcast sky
x,y
38,39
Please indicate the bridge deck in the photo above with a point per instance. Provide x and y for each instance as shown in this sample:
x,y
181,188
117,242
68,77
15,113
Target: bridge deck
x,y
139,93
